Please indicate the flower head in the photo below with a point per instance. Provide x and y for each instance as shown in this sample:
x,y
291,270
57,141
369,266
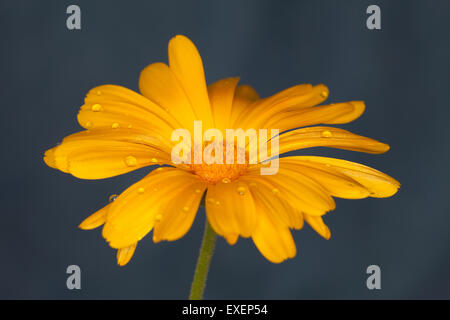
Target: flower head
x,y
126,131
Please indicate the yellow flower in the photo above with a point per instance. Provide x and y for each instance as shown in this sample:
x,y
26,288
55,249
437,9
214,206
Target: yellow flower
x,y
127,131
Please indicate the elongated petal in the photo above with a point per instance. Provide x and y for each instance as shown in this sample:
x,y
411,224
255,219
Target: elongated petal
x,y
378,184
186,63
92,155
221,95
328,137
179,214
230,210
328,114
110,106
273,241
134,212
301,192
124,255
295,98
318,225
277,208
335,182
159,84
95,220
244,96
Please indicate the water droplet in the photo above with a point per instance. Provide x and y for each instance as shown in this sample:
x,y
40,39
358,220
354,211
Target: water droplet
x,y
241,191
130,126
96,107
112,197
198,191
154,160
158,217
211,201
226,180
131,161
88,124
141,190
217,203
99,93
115,125
186,209
324,94
327,134
275,190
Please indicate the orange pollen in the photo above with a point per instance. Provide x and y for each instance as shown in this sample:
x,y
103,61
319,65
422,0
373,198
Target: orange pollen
x,y
212,172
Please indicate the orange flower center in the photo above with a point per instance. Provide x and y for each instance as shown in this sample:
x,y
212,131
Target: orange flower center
x,y
213,172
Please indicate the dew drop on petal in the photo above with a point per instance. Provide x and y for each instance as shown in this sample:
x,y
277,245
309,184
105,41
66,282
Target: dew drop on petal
x,y
154,160
130,126
131,161
217,203
275,190
240,191
324,94
158,217
112,197
211,201
198,191
141,190
99,93
186,209
88,124
327,134
96,107
115,125
226,180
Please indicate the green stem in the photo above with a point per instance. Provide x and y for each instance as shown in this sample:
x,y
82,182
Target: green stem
x,y
203,262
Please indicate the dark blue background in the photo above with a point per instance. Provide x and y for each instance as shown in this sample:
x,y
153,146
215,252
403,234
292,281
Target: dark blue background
x,y
401,71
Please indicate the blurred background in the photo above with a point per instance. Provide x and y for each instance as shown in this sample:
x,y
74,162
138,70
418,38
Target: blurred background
x,y
400,71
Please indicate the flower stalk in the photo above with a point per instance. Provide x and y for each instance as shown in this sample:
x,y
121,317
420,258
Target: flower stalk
x,y
203,262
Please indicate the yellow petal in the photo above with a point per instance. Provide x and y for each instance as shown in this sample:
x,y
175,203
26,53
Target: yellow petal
x,y
178,214
335,182
378,184
146,137
358,109
134,212
230,210
158,83
186,63
124,255
221,95
110,105
95,220
244,96
294,98
328,137
318,225
91,158
278,209
301,192
274,242
329,114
